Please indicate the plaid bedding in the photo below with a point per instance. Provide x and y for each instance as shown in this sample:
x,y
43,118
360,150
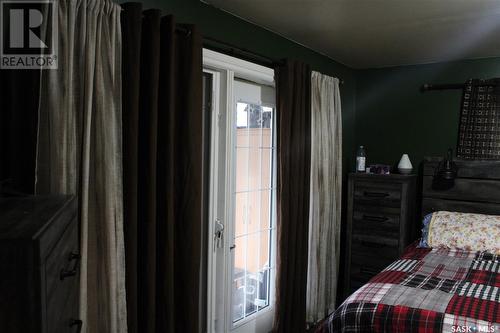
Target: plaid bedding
x,y
426,290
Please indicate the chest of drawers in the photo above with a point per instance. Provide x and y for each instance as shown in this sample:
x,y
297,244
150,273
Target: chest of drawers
x,y
380,224
39,260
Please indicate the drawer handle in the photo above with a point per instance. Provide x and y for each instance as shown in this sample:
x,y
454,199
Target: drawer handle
x,y
76,322
376,194
375,218
75,257
372,244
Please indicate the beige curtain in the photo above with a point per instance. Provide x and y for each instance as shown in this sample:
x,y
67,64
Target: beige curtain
x,y
325,200
80,150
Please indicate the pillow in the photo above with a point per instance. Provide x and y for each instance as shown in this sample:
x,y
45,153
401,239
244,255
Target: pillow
x,y
425,230
472,232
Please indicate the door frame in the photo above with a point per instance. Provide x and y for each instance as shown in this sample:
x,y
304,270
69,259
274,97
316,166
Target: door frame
x,y
224,69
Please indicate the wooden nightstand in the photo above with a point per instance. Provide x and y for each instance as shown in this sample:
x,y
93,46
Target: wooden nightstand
x,y
380,224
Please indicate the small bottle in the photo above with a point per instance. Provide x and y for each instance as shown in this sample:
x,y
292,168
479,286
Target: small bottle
x,y
361,159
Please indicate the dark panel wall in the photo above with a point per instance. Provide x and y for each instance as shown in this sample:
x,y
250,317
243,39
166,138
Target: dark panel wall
x,y
228,28
18,129
393,117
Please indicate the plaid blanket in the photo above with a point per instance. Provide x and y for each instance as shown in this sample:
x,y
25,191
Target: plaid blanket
x,y
426,290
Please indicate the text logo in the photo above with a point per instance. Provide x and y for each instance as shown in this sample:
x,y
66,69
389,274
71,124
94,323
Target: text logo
x,y
29,34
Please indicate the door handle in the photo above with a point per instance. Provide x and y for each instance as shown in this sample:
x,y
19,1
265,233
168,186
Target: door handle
x,y
218,234
373,218
76,322
376,194
75,257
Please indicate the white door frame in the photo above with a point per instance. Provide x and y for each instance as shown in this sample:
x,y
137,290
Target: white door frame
x,y
224,69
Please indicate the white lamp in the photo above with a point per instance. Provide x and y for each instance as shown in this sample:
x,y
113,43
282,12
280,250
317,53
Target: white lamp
x,y
405,167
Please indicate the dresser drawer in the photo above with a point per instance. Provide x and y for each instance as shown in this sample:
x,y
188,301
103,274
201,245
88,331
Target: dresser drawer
x,y
365,222
373,255
358,277
369,256
61,276
374,242
363,273
368,263
66,320
372,245
381,209
380,194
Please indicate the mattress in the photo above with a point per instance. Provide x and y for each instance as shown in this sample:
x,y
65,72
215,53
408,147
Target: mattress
x,y
426,290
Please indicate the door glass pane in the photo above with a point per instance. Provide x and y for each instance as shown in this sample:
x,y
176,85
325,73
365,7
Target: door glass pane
x,y
265,209
266,159
253,206
242,133
241,214
242,156
266,124
263,244
254,172
239,276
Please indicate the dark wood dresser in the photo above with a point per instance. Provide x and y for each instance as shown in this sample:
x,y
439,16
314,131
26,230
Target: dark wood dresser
x,y
380,224
39,260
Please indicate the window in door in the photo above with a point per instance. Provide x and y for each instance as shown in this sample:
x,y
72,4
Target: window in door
x,y
254,208
242,249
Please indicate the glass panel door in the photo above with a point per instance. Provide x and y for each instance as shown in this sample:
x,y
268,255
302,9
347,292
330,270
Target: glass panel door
x,y
242,229
254,199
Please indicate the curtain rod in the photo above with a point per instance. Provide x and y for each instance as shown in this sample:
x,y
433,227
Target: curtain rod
x,y
446,86
233,50
242,53
218,45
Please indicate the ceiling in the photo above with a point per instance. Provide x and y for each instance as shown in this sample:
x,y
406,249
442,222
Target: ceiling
x,y
380,33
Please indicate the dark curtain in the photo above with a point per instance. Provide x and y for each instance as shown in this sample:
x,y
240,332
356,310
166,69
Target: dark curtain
x,y
479,130
18,129
293,85
163,170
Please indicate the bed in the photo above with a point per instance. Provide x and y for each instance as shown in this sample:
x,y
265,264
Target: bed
x,y
434,289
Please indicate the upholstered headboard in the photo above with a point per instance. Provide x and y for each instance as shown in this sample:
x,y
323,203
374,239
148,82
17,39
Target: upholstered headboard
x,y
476,190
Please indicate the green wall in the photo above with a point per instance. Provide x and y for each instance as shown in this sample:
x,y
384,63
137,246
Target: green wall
x,y
382,109
231,29
393,117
